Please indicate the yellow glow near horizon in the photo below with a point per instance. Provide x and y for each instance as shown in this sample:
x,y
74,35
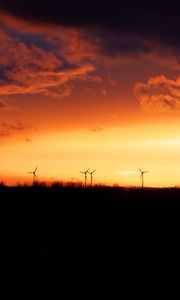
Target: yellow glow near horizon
x,y
61,156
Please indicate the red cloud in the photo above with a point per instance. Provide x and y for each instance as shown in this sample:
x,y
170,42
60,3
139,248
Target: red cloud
x,y
72,54
100,47
30,70
159,94
40,82
14,53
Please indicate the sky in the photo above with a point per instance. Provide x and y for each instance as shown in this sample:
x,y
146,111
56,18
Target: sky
x,y
90,84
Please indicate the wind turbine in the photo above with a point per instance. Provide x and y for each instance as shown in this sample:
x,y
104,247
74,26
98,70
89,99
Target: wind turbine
x,y
85,176
34,175
91,173
142,176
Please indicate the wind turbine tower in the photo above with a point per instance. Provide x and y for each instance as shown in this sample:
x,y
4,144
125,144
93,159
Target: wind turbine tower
x,y
142,176
34,175
85,176
91,173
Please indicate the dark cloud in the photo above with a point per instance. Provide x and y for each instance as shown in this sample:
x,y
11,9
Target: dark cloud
x,y
149,31
15,128
17,125
155,19
4,134
96,129
25,139
114,43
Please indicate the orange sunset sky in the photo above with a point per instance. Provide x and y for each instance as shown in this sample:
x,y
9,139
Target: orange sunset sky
x,y
77,96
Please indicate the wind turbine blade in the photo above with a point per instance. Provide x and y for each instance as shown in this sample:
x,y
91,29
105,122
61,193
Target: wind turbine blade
x,y
81,172
140,170
87,170
35,169
30,172
93,171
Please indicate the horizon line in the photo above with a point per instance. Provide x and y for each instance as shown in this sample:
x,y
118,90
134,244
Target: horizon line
x,y
71,183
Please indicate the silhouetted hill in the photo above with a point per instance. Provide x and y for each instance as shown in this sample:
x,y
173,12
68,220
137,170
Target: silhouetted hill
x,y
90,235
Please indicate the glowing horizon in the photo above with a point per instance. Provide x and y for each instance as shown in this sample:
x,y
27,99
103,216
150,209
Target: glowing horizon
x,y
117,162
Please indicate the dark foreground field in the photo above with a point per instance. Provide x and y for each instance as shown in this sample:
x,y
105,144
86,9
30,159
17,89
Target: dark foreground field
x,y
57,236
